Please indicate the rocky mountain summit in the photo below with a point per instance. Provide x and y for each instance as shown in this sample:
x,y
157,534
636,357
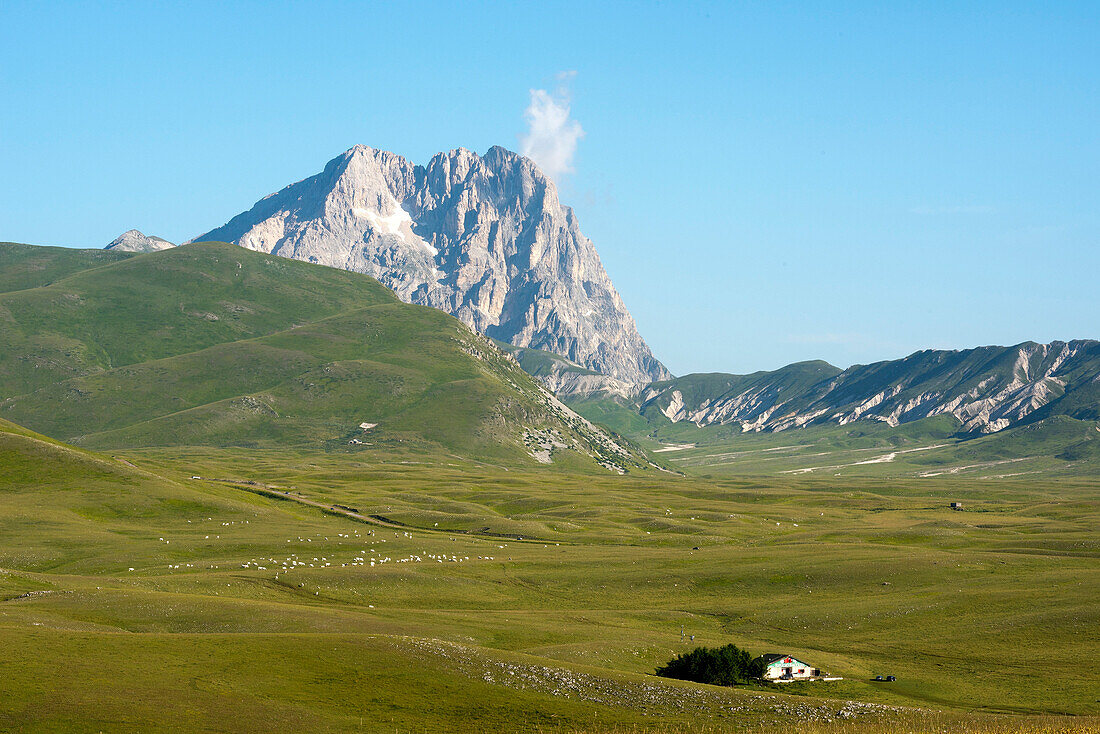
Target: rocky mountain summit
x,y
484,238
987,389
134,241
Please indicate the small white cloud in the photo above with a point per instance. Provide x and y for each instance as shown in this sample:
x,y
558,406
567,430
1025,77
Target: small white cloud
x,y
551,137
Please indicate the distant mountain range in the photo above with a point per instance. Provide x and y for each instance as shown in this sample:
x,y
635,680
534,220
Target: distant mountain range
x,y
486,239
483,238
987,389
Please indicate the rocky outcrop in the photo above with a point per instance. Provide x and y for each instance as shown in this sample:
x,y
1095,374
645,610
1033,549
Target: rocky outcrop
x,y
565,378
484,238
577,385
987,389
134,241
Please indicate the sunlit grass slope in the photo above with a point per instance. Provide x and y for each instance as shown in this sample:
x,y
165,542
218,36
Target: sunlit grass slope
x,y
30,266
213,344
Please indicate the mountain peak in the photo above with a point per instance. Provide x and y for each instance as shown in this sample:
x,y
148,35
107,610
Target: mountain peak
x,y
133,240
483,238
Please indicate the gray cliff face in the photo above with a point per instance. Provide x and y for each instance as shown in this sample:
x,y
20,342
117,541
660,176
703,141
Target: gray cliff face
x,y
134,241
481,237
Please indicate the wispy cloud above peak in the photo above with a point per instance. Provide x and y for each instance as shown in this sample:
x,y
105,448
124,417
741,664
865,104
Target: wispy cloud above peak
x,y
552,135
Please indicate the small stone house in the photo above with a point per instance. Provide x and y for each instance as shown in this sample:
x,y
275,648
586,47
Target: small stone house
x,y
779,667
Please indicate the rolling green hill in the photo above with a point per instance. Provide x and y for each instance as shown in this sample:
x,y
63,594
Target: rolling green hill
x,y
211,344
28,266
66,510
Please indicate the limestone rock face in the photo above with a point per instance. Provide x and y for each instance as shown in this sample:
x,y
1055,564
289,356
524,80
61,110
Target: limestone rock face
x,y
484,238
134,241
987,389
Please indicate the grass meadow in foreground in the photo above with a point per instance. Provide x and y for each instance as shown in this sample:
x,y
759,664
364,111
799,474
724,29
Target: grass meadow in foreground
x,y
138,598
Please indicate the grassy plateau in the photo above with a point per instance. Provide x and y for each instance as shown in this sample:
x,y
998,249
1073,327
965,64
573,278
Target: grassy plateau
x,y
176,557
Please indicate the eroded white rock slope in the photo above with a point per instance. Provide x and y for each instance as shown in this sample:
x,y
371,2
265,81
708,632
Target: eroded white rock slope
x,y
481,237
988,389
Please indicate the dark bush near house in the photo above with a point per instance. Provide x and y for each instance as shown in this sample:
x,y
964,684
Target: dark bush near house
x,y
721,666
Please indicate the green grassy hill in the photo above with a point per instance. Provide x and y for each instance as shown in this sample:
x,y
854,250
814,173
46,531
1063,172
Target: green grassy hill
x,y
211,344
67,510
28,266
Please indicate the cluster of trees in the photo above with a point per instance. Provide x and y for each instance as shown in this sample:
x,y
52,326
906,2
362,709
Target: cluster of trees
x,y
728,665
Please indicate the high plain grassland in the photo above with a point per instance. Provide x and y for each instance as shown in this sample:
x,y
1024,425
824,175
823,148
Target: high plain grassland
x,y
138,598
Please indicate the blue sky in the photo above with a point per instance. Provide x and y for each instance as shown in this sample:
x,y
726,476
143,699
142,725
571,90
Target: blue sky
x,y
765,182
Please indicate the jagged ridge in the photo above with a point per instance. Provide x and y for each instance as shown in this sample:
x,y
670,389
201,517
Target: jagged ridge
x,y
483,238
988,389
